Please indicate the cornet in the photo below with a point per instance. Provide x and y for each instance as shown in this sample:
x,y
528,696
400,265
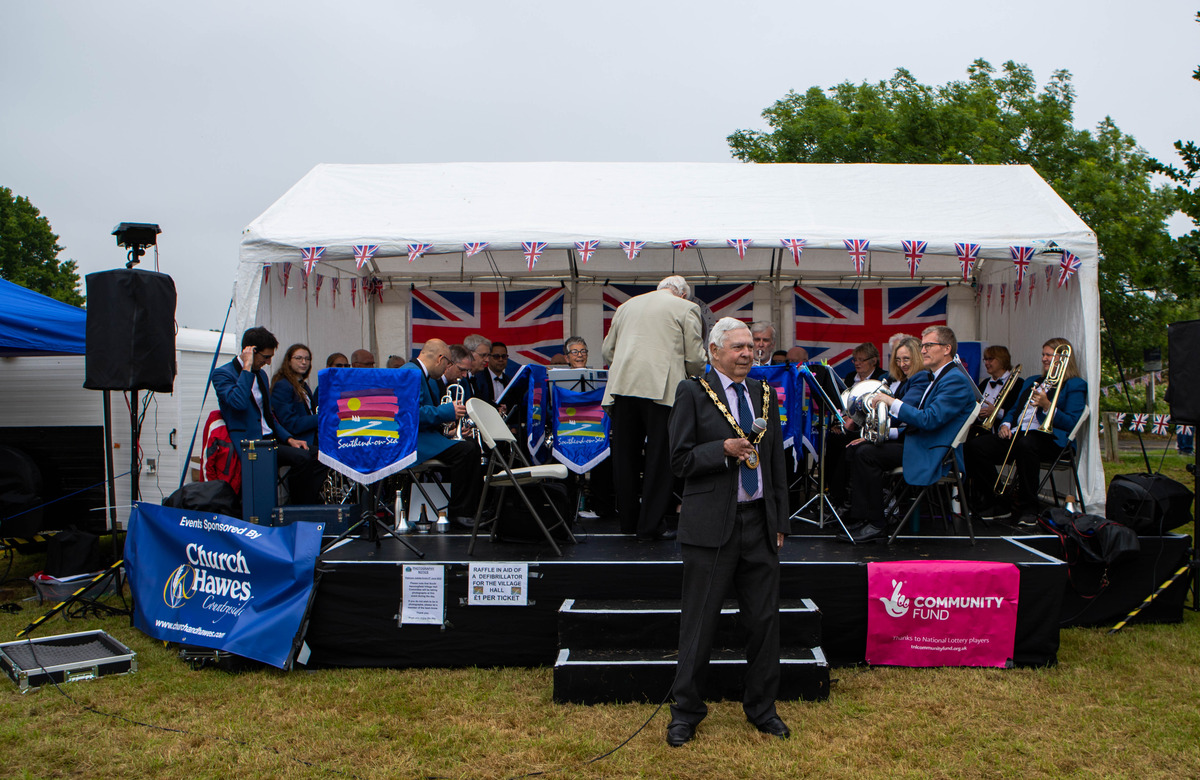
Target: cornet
x,y
454,395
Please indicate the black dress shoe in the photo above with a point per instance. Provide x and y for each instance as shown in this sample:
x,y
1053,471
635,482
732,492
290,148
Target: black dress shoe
x,y
664,535
869,533
465,523
680,733
774,726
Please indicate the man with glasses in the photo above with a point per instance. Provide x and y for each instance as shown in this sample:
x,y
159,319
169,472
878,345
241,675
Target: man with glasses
x,y
462,457
764,341
932,424
491,383
362,358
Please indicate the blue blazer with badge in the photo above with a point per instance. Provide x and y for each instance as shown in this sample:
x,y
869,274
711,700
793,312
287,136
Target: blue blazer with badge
x,y
432,417
1071,402
242,417
933,425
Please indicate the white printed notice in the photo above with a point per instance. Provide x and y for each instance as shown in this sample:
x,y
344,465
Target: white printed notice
x,y
423,602
499,584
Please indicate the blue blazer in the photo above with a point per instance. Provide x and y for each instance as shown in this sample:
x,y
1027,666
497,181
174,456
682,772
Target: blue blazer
x,y
933,426
1071,402
912,389
241,413
294,412
432,417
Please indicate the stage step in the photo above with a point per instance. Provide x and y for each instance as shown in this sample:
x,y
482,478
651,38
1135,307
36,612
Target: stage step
x,y
654,623
610,675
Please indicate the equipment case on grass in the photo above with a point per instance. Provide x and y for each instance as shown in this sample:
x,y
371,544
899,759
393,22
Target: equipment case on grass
x,y
32,663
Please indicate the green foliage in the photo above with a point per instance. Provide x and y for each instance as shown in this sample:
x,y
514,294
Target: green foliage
x,y
1003,118
29,251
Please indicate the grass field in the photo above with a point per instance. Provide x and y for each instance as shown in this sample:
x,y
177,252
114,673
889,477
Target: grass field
x,y
1114,706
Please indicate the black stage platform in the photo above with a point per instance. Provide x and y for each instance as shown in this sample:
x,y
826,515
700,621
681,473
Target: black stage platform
x,y
355,616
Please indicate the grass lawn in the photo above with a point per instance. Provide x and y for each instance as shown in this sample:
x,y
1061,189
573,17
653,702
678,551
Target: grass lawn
x,y
1114,706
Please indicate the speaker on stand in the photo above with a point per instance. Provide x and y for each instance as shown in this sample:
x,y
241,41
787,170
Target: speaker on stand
x,y
1183,341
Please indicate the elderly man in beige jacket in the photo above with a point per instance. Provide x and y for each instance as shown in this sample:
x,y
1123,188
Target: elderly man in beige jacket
x,y
655,341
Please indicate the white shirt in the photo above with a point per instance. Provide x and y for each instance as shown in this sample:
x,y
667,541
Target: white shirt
x,y
992,390
256,394
895,407
731,400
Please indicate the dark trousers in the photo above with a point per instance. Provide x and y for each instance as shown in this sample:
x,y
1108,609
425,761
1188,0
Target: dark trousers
x,y
749,563
869,464
466,477
641,455
307,474
984,454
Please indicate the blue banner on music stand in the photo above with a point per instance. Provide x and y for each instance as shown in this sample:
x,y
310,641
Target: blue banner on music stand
x,y
785,379
581,428
537,398
367,421
212,581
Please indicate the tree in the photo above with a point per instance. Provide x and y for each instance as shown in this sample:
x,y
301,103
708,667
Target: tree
x,y
29,251
1004,119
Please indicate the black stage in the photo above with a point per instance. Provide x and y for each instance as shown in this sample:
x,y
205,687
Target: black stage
x,y
355,615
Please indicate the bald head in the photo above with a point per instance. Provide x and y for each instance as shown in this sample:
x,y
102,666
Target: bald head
x,y
362,358
435,356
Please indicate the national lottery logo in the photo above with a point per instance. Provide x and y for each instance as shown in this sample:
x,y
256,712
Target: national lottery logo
x,y
180,586
897,605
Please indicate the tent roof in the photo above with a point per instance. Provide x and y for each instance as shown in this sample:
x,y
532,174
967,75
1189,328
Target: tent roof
x,y
449,204
34,324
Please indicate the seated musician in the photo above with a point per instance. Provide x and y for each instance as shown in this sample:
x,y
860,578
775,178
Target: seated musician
x,y
1019,435
462,457
601,497
997,362
576,350
294,401
866,366
931,423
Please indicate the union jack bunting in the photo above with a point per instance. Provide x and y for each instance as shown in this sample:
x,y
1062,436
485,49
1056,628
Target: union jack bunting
x,y
832,321
587,248
684,243
310,256
968,254
530,322
266,273
858,249
1003,292
1067,268
724,300
1139,423
1120,420
337,289
632,248
1049,274
913,252
317,294
741,245
1020,257
353,290
1032,287
283,277
364,253
533,252
475,248
416,251
989,295
795,246
1160,424
1185,430
376,288
1016,293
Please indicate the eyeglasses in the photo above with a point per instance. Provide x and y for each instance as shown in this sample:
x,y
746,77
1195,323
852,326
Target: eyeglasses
x,y
495,356
577,351
931,344
860,360
302,358
340,365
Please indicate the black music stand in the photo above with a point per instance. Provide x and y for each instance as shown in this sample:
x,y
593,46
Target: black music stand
x,y
823,382
369,501
579,380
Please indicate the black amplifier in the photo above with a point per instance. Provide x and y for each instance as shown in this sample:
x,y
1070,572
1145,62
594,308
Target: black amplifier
x,y
336,517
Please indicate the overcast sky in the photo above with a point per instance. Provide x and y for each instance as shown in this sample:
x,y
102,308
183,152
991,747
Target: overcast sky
x,y
198,116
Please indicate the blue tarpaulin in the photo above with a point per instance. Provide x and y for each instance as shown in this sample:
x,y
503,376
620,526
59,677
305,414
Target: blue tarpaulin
x,y
33,324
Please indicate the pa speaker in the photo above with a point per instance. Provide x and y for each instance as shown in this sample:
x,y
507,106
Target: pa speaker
x,y
130,331
1183,341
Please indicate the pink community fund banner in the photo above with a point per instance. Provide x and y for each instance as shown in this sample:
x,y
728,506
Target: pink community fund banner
x,y
941,613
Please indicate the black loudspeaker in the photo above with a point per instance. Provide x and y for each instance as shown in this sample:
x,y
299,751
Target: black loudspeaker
x,y
1150,504
130,331
1183,343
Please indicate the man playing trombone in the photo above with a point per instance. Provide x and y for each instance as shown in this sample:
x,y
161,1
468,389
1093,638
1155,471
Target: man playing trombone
x,y
1035,429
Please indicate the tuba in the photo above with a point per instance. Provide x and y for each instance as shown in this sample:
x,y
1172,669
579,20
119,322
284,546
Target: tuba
x,y
859,401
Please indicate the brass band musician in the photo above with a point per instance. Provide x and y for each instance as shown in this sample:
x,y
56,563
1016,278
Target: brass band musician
x,y
997,362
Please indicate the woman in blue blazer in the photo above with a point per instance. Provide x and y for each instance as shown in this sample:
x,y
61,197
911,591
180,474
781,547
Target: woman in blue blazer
x,y
294,402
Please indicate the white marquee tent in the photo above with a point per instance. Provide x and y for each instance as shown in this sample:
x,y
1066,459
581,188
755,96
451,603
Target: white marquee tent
x,y
444,207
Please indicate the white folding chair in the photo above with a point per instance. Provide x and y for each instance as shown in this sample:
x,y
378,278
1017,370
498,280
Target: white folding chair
x,y
1067,460
501,445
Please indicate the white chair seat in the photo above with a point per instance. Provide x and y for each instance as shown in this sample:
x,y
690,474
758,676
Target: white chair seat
x,y
548,471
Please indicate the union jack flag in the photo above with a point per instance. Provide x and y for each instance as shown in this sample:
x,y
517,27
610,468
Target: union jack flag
x,y
1049,274
741,245
832,321
475,248
415,251
684,243
989,295
1016,293
795,246
913,252
310,256
283,277
337,289
587,248
725,300
376,288
530,322
533,252
1020,257
1160,424
1139,423
353,289
1120,420
320,281
1003,292
1032,287
364,253
266,273
1185,430
858,249
968,254
1067,268
632,248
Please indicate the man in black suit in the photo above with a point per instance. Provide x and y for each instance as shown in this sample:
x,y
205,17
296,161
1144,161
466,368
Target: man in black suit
x,y
731,526
490,383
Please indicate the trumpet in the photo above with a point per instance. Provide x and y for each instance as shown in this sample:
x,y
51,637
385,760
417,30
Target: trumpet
x,y
1053,381
454,395
860,404
997,407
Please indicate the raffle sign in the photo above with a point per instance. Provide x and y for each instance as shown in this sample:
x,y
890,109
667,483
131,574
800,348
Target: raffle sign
x,y
941,613
498,584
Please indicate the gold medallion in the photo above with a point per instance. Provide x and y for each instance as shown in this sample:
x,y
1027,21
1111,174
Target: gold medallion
x,y
752,459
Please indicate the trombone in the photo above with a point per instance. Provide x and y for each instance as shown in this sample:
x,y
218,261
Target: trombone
x,y
1052,381
997,406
